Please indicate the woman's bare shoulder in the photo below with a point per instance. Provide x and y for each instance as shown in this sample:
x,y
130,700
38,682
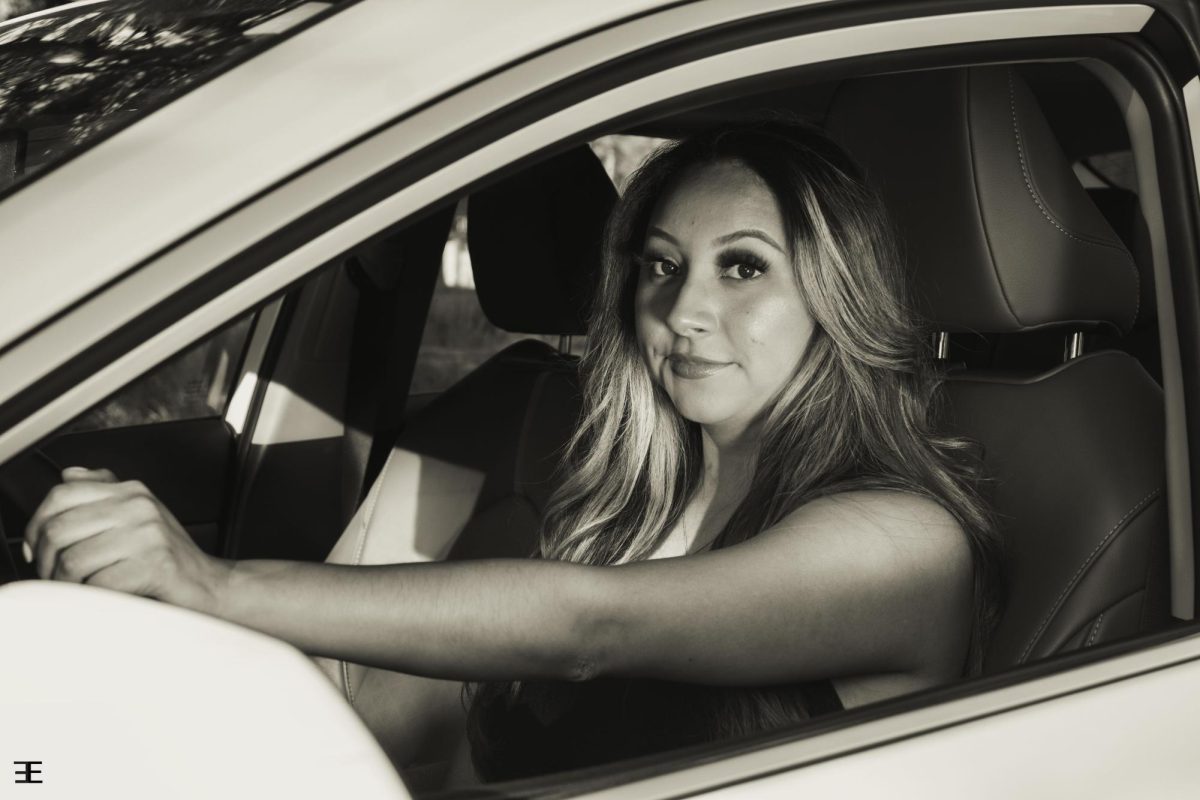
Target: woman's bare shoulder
x,y
910,554
889,512
893,510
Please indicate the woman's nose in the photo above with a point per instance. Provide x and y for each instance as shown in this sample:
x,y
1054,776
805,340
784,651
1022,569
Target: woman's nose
x,y
691,311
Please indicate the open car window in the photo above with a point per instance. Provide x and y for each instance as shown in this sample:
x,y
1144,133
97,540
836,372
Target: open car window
x,y
300,427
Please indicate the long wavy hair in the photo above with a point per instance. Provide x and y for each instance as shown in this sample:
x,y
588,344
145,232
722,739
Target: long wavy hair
x,y
860,412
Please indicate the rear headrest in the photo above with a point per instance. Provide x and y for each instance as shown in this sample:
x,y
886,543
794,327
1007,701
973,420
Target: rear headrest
x,y
999,233
535,243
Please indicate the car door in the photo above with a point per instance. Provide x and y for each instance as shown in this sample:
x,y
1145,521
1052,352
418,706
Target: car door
x,y
168,429
407,138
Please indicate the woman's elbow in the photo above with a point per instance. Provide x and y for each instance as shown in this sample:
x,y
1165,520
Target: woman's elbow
x,y
595,628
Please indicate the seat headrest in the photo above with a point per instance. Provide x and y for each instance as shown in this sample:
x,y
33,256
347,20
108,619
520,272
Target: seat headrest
x,y
535,240
1000,235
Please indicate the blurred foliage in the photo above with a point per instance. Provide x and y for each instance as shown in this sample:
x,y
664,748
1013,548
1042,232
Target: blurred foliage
x,y
193,384
458,336
84,67
621,155
17,8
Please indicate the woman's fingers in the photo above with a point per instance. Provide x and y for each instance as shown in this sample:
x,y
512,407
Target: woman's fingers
x,y
84,474
123,576
78,562
79,494
69,475
65,529
92,529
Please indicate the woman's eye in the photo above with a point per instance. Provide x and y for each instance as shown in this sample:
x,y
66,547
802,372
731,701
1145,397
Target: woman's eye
x,y
662,268
743,272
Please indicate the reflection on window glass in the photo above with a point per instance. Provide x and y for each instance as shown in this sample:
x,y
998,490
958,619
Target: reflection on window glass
x,y
1114,169
458,337
72,73
621,155
191,385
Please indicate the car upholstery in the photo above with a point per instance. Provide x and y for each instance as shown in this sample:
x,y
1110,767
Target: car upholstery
x,y
1002,239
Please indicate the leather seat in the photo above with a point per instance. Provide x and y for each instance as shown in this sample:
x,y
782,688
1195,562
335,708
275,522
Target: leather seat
x,y
1002,239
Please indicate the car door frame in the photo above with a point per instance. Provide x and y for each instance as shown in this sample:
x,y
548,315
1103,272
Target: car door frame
x,y
554,99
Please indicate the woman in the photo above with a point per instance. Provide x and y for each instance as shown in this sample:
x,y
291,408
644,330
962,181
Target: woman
x,y
757,517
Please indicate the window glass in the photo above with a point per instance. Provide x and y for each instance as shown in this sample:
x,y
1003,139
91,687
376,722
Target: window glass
x,y
622,154
1114,169
458,336
70,74
191,385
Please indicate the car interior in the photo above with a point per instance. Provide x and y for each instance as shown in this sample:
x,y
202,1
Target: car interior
x,y
1012,189
1046,336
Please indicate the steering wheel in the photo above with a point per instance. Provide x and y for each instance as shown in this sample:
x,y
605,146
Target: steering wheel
x,y
24,482
8,565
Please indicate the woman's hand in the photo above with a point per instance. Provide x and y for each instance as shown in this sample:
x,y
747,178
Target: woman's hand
x,y
93,529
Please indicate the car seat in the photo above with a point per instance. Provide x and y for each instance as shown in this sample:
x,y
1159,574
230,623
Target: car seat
x,y
1002,239
470,475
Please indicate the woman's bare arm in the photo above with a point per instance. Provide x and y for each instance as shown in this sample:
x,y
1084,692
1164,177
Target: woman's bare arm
x,y
495,619
855,584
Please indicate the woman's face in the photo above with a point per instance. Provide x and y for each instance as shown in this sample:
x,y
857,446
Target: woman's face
x,y
718,313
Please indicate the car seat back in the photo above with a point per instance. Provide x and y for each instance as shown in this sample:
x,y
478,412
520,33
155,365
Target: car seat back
x,y
1002,239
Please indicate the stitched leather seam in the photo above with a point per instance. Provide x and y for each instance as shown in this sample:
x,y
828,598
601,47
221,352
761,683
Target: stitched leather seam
x,y
1091,639
1083,630
987,237
1044,209
346,680
1087,562
372,500
359,548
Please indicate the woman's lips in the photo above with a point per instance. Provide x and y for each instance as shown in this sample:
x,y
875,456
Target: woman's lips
x,y
693,368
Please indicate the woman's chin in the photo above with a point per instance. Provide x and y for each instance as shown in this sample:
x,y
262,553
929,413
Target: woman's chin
x,y
702,411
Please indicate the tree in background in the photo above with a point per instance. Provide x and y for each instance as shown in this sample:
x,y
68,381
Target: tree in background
x,y
16,8
119,56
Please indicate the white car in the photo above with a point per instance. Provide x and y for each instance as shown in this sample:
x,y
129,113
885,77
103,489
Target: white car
x,y
237,266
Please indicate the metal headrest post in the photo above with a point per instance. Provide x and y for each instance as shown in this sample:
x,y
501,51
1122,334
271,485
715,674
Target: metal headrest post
x,y
1073,345
941,345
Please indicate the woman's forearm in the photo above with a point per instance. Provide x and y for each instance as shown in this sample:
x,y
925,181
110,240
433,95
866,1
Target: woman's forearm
x,y
475,620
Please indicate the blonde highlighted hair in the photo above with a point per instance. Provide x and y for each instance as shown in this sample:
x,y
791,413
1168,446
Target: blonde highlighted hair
x,y
860,411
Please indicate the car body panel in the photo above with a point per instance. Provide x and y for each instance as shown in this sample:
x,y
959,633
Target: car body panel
x,y
1116,740
120,696
1009,737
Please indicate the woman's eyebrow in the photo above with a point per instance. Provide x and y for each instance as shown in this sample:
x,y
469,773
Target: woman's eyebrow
x,y
753,233
660,233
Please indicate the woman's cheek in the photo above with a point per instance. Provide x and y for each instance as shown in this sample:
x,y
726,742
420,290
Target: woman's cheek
x,y
775,332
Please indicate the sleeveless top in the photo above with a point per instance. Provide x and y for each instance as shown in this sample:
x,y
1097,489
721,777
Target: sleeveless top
x,y
550,726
